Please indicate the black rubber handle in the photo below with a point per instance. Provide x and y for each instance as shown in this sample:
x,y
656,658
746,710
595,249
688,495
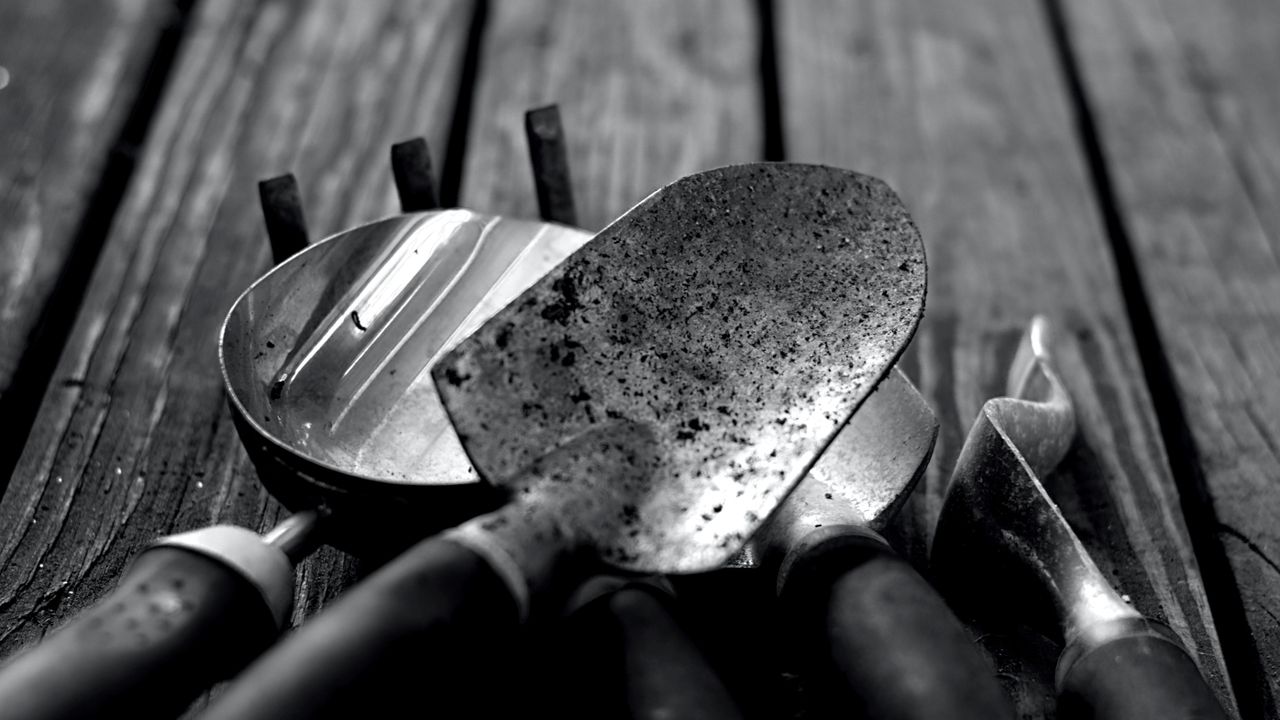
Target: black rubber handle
x,y
1144,674
177,623
420,635
636,661
881,641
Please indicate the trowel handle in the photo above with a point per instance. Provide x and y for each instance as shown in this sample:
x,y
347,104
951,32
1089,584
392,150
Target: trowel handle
x,y
639,662
191,611
1134,669
417,634
883,642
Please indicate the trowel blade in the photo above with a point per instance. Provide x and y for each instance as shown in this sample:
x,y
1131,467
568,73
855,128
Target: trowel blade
x,y
663,389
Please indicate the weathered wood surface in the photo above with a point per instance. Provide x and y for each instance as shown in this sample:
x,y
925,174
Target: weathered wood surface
x,y
648,92
70,73
963,109
134,440
1186,98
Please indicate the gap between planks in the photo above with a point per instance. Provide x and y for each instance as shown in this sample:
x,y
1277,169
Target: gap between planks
x,y
34,370
1244,665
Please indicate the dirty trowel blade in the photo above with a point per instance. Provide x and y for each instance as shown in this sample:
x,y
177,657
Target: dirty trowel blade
x,y
664,388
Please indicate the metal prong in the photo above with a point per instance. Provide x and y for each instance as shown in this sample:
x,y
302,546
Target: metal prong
x,y
411,165
550,165
282,211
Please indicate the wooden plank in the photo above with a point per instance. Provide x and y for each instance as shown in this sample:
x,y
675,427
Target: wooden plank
x,y
1185,96
962,108
648,92
134,439
69,74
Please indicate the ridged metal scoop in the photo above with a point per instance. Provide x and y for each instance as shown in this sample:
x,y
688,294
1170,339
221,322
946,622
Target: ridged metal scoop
x,y
325,360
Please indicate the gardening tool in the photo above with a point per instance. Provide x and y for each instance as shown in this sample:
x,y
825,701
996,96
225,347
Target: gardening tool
x,y
881,639
886,645
647,405
201,604
323,364
1000,532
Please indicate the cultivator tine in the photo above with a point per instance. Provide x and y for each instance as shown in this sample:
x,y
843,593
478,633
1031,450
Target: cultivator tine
x,y
282,211
550,161
411,165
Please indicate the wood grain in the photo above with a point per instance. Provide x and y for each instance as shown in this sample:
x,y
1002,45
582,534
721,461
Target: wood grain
x,y
962,108
1185,96
134,439
648,92
70,75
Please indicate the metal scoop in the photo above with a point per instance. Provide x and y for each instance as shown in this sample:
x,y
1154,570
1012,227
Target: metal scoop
x,y
325,362
647,405
1002,542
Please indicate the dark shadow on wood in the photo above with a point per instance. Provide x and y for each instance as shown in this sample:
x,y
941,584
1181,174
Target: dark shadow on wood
x,y
1239,650
31,377
456,152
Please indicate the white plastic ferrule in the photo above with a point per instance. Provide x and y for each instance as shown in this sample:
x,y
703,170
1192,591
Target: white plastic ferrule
x,y
265,566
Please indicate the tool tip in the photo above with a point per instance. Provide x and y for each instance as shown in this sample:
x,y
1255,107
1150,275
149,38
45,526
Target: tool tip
x,y
1035,354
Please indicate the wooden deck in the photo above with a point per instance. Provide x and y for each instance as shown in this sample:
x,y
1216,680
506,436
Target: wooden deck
x,y
1113,163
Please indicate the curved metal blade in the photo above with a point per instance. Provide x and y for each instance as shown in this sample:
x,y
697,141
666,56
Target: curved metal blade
x,y
871,467
662,390
863,478
997,516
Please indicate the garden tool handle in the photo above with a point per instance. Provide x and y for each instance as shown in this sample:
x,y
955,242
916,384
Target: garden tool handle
x,y
883,641
191,611
1132,669
654,669
417,630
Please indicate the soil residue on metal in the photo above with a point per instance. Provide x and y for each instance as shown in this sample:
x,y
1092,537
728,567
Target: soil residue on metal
x,y
567,302
738,316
